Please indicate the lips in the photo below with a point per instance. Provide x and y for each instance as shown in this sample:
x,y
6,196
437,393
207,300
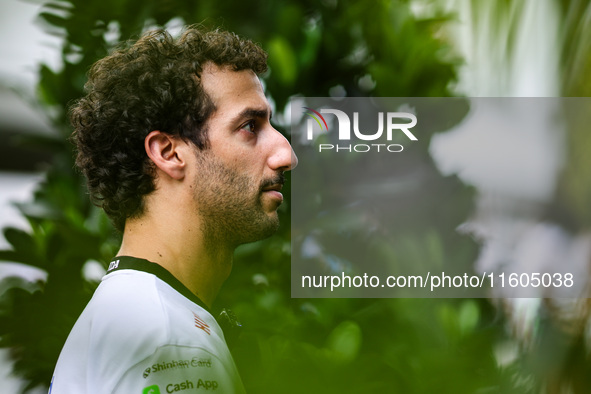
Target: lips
x,y
274,192
274,187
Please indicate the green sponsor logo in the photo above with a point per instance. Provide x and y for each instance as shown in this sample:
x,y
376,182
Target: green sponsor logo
x,y
151,390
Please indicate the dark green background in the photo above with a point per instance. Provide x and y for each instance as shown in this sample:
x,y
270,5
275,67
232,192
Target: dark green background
x,y
287,345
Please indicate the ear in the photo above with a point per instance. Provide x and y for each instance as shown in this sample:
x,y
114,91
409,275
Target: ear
x,y
166,151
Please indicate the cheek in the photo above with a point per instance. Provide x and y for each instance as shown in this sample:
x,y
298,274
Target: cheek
x,y
241,158
248,163
235,179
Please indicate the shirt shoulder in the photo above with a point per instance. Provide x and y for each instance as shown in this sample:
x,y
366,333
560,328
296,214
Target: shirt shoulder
x,y
123,322
133,317
137,312
131,297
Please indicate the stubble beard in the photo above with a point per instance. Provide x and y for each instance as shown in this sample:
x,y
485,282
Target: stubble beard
x,y
230,205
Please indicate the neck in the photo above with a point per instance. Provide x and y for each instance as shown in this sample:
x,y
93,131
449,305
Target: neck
x,y
199,264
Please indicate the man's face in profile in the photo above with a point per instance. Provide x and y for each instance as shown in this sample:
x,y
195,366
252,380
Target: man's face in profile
x,y
239,178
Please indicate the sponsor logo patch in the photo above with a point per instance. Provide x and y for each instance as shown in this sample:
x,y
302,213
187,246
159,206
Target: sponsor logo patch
x,y
195,362
154,389
199,323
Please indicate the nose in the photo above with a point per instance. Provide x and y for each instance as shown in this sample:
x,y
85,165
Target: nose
x,y
282,157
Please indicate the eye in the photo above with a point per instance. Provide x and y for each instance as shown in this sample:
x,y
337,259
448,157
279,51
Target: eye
x,y
250,126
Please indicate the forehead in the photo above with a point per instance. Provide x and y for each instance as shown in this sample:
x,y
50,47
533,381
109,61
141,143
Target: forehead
x,y
233,91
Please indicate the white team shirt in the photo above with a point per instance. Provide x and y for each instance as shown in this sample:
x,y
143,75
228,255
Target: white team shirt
x,y
144,332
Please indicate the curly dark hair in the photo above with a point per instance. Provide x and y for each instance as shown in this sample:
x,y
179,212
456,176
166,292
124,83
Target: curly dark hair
x,y
150,85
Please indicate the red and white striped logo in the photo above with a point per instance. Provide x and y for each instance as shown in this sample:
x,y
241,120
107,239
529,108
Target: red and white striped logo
x,y
199,323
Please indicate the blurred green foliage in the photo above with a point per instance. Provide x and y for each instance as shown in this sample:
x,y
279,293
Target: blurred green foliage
x,y
288,345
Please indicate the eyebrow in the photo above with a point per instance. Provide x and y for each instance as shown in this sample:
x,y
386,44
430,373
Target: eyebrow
x,y
254,113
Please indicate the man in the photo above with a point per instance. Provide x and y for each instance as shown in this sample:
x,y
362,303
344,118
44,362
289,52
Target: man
x,y
175,139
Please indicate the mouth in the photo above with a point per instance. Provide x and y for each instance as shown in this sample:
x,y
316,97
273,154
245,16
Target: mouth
x,y
274,187
274,191
271,188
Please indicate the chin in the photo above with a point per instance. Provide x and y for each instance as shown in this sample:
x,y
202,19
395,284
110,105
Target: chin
x,y
262,231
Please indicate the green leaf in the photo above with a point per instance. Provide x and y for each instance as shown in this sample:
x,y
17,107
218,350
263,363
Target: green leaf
x,y
53,19
49,86
25,248
468,316
282,60
65,6
17,281
13,257
345,341
20,240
